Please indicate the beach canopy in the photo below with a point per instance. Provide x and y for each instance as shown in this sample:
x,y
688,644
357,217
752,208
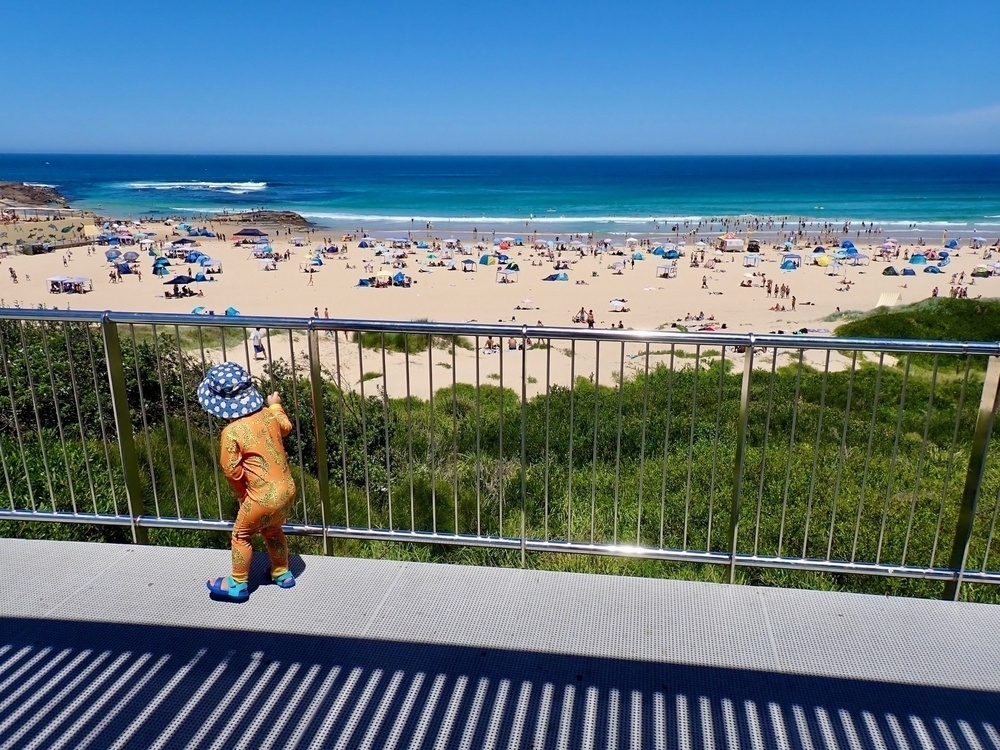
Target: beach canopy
x,y
666,271
249,232
889,299
751,260
183,241
556,277
182,279
890,271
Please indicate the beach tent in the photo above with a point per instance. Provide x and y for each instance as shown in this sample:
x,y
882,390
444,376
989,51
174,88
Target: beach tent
x,y
399,279
513,267
249,232
793,258
847,245
506,276
658,251
637,256
364,282
952,244
366,244
917,259
932,269
822,260
981,271
819,249
909,272
468,265
787,265
671,254
943,262
232,311
204,261
422,245
617,305
751,261
666,271
890,271
518,240
181,279
631,241
124,268
556,277
889,299
298,241
199,310
200,276
193,257
487,260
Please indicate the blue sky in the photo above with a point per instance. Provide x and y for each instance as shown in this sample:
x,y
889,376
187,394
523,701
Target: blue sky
x,y
542,77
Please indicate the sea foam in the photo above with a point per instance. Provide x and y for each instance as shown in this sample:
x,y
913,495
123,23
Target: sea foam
x,y
233,188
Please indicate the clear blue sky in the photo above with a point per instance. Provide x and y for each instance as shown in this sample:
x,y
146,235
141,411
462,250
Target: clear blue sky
x,y
547,76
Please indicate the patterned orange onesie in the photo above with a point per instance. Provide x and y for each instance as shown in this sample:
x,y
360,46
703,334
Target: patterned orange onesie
x,y
256,466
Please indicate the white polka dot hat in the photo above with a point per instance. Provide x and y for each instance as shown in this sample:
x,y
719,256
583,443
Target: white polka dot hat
x,y
228,392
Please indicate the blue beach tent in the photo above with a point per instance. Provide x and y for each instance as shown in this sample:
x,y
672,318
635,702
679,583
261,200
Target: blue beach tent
x,y
932,269
204,261
399,278
637,256
364,282
909,272
918,260
952,244
672,254
124,268
556,277
787,265
658,251
847,245
232,311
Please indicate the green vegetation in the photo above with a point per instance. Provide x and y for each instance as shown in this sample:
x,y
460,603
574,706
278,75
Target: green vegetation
x,y
411,343
866,465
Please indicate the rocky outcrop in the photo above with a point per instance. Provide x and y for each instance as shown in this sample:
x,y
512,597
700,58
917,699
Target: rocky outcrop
x,y
282,218
21,194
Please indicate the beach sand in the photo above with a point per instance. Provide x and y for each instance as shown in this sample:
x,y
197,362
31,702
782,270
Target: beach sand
x,y
438,294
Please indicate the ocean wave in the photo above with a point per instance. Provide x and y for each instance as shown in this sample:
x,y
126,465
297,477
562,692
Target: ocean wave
x,y
490,220
39,184
233,188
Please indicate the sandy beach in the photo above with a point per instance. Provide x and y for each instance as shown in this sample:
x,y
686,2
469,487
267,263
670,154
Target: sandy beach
x,y
725,291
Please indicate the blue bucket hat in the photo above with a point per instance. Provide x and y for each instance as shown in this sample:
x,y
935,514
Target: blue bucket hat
x,y
228,392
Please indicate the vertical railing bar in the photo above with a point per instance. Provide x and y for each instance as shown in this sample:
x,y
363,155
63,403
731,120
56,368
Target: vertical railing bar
x,y
319,422
100,418
892,461
548,409
951,461
791,446
715,450
690,455
385,420
572,414
364,430
868,456
409,432
341,401
666,444
593,459
38,418
298,411
740,457
187,420
618,442
44,329
145,421
79,417
989,536
123,425
524,444
842,455
816,451
430,431
920,461
212,422
17,423
6,475
500,462
454,428
988,402
166,422
642,448
763,451
479,455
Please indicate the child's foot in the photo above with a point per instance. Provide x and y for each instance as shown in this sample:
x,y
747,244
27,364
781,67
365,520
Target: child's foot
x,y
286,580
227,590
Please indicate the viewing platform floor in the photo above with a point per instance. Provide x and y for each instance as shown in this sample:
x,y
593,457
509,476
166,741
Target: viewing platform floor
x,y
108,646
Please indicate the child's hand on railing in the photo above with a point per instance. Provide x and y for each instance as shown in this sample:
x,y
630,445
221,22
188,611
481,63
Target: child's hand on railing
x,y
273,399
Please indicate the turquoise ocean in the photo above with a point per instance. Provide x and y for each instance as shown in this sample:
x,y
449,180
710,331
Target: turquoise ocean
x,y
901,194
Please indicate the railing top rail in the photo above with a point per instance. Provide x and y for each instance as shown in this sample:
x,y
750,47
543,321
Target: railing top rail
x,y
679,338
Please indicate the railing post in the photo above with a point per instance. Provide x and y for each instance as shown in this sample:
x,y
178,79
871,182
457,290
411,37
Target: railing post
x,y
524,443
319,423
123,426
988,403
741,445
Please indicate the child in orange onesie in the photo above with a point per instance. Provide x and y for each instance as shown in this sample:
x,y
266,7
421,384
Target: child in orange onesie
x,y
254,463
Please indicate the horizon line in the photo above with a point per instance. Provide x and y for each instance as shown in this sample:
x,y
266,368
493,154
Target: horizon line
x,y
424,155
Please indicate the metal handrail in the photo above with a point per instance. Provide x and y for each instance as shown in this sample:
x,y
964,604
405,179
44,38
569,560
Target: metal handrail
x,y
371,466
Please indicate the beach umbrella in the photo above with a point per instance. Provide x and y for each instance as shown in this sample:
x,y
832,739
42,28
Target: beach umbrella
x,y
112,254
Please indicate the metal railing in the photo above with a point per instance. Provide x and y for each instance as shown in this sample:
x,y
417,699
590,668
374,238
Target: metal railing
x,y
796,452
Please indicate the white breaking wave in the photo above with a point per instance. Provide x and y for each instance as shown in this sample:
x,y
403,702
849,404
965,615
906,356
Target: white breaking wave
x,y
39,184
233,188
547,219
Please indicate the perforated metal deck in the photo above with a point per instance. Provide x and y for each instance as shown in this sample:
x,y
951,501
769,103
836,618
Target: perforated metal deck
x,y
106,646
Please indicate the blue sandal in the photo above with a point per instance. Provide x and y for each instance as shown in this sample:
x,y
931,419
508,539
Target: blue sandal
x,y
286,580
234,591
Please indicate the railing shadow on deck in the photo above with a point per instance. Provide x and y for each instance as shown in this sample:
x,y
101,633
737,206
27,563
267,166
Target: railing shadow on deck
x,y
109,685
